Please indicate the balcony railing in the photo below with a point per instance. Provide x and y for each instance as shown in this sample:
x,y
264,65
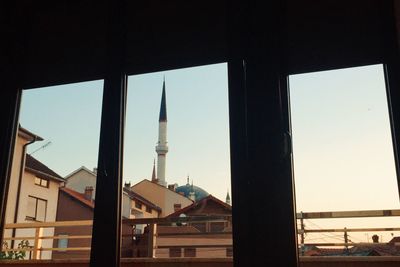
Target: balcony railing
x,y
158,244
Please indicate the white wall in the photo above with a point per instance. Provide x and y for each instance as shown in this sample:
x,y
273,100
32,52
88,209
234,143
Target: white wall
x,y
79,180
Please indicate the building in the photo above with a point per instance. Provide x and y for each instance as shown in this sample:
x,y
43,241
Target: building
x,y
33,192
168,200
180,239
76,206
81,178
191,191
73,206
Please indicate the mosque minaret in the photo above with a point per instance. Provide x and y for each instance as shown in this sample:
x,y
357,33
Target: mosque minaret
x,y
162,148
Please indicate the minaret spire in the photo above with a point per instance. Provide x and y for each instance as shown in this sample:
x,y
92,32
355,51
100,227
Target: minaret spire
x,y
162,148
153,175
163,107
228,198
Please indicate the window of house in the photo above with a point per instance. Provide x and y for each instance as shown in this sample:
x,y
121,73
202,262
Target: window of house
x,y
148,209
36,209
189,252
41,182
138,205
62,242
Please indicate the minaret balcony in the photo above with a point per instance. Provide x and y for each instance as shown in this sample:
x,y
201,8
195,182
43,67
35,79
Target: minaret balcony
x,y
162,148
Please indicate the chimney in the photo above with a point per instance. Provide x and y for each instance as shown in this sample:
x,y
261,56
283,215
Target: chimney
x,y
89,192
177,207
172,187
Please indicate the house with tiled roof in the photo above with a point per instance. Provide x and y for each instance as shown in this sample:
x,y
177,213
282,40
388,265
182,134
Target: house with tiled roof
x,y
32,191
81,178
73,206
180,236
167,199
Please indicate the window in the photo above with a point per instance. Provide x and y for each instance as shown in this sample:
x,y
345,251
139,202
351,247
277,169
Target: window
x,y
189,252
175,252
177,207
62,242
148,209
138,205
41,182
36,209
343,156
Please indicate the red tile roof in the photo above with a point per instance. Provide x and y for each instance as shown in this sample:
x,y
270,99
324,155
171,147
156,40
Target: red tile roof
x,y
41,170
201,202
78,196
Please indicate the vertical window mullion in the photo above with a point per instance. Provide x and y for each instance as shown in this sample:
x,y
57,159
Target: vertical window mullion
x,y
106,233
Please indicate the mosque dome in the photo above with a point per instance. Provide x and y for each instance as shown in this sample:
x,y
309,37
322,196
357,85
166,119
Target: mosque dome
x,y
199,192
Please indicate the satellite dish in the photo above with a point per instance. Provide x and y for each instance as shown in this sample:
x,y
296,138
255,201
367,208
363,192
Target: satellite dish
x,y
181,223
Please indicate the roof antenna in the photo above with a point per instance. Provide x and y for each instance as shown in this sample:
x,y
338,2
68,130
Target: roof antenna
x,y
42,147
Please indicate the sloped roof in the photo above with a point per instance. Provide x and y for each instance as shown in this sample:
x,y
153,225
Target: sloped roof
x,y
41,170
78,196
138,197
201,202
78,170
28,134
164,188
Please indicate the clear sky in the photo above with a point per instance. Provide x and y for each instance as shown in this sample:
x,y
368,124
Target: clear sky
x,y
198,126
343,154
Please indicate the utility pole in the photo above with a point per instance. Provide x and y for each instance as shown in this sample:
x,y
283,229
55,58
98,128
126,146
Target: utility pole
x,y
302,236
346,239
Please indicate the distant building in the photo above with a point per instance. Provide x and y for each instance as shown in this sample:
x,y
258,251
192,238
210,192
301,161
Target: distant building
x,y
32,193
168,200
177,239
191,191
81,178
76,206
73,206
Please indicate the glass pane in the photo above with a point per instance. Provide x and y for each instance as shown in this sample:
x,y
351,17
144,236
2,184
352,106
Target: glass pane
x,y
176,162
41,210
31,208
54,162
343,161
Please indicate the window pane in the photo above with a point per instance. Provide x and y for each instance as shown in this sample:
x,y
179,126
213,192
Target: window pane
x,y
44,183
41,210
37,180
63,242
177,150
343,160
55,158
31,208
